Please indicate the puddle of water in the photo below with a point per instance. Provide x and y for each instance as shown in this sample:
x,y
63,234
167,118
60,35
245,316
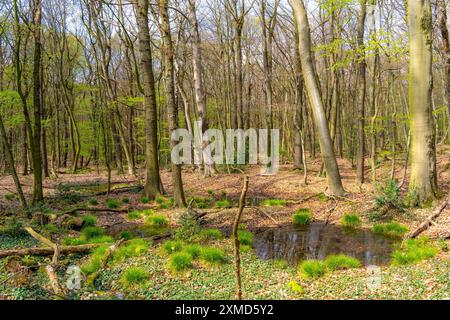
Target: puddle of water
x,y
135,230
319,240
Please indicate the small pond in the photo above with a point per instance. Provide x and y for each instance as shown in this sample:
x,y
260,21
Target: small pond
x,y
319,240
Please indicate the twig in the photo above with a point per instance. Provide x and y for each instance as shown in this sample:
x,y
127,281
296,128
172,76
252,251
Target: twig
x,y
236,239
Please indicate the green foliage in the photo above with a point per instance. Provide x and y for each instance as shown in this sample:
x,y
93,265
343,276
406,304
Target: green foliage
x,y
211,234
210,192
94,262
134,248
341,262
351,221
126,235
92,232
202,203
89,220
274,202
391,229
213,255
157,221
188,226
93,202
172,246
295,287
112,203
413,251
179,261
302,217
133,215
148,212
245,237
223,204
126,200
10,196
144,200
12,227
312,269
134,276
51,228
194,250
159,199
389,194
280,263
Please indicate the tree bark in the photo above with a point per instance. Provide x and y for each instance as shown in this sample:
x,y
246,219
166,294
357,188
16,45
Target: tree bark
x,y
423,178
315,99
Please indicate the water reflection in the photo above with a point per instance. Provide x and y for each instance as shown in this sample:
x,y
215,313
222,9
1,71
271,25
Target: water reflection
x,y
319,240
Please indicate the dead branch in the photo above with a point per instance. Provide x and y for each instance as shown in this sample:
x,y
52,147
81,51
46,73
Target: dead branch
x,y
96,210
428,221
236,239
266,214
50,268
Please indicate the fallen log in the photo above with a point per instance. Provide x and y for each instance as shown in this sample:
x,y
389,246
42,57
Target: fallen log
x,y
428,221
104,260
47,251
96,210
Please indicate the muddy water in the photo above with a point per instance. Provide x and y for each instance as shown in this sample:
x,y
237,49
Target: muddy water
x,y
319,240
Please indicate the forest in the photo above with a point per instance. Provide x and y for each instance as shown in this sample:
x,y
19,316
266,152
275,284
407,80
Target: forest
x,y
224,149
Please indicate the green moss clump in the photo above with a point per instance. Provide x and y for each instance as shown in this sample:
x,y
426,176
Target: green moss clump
x,y
89,220
171,246
391,229
133,215
223,204
302,217
312,269
157,221
211,234
214,256
134,248
112,203
94,262
194,250
245,237
180,261
350,221
274,203
413,251
341,262
134,276
92,232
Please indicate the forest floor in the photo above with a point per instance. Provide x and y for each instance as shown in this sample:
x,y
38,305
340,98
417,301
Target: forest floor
x,y
262,279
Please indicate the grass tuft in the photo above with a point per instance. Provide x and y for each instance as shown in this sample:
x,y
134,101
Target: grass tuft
x,y
413,251
391,229
157,221
112,203
133,215
302,217
134,248
223,204
245,237
211,255
211,234
89,220
312,269
180,261
172,246
341,262
134,276
350,221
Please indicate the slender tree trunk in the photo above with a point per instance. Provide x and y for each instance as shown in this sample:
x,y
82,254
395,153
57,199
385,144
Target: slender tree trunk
x,y
168,58
361,94
199,92
152,179
423,179
38,194
12,166
312,88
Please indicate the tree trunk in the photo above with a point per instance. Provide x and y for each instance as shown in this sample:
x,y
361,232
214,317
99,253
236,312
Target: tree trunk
x,y
423,179
169,82
152,179
361,93
312,88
